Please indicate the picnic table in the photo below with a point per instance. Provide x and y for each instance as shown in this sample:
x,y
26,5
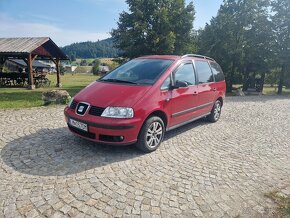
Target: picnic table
x,y
21,79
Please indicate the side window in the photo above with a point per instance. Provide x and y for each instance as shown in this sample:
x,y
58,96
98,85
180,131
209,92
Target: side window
x,y
217,72
166,84
185,73
204,72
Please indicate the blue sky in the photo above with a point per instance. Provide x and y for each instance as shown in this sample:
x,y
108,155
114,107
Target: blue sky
x,y
68,21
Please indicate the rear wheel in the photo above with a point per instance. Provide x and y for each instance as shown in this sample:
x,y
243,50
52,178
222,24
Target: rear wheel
x,y
215,112
151,134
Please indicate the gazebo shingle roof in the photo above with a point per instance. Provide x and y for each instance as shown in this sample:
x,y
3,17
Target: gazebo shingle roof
x,y
25,45
41,46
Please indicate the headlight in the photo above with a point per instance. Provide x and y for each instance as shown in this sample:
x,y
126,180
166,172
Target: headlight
x,y
118,112
70,101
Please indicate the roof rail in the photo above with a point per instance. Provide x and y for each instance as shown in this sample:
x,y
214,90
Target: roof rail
x,y
197,56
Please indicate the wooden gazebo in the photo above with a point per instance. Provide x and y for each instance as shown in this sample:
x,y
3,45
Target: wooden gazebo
x,y
29,49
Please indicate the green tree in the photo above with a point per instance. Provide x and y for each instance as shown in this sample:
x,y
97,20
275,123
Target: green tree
x,y
119,60
73,57
155,27
272,77
222,40
83,62
95,70
62,69
96,63
257,40
281,21
239,38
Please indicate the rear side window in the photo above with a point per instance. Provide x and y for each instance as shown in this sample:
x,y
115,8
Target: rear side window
x,y
217,72
204,72
185,73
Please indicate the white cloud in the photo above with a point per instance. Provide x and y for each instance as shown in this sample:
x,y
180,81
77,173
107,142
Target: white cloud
x,y
15,28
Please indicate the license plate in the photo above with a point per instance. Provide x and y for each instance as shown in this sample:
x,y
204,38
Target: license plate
x,y
79,125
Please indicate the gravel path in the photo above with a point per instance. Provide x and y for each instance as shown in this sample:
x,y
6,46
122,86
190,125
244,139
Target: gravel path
x,y
201,169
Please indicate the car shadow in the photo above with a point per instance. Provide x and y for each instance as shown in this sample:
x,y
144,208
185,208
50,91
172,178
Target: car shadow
x,y
57,152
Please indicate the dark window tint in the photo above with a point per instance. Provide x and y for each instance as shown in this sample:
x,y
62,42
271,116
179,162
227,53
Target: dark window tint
x,y
185,73
166,84
139,71
204,72
217,72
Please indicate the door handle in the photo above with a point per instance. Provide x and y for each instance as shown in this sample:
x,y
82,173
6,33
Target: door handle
x,y
195,93
214,89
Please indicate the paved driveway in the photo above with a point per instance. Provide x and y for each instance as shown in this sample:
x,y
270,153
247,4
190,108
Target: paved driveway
x,y
202,169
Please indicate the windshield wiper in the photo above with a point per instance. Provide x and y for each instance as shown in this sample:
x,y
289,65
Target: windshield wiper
x,y
118,81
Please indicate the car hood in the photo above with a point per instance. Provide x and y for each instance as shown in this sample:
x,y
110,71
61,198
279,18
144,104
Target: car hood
x,y
104,94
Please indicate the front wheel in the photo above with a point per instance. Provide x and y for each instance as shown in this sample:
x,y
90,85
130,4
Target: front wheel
x,y
151,134
215,112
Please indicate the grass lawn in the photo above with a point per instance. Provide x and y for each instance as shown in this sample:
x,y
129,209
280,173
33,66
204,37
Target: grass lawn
x,y
268,90
273,90
283,203
24,98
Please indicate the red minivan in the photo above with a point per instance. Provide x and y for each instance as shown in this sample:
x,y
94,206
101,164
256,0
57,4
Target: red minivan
x,y
142,99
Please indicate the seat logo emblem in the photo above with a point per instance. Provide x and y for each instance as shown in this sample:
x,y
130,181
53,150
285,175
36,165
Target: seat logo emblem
x,y
80,109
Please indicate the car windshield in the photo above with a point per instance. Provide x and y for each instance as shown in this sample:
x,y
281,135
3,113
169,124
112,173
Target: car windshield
x,y
138,71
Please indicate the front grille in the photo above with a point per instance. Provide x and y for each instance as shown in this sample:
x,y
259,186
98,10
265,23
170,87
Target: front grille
x,y
96,111
82,133
73,105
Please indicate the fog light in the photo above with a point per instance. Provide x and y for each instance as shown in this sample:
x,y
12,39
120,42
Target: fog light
x,y
110,138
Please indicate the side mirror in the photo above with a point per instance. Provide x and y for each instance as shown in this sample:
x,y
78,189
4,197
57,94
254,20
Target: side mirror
x,y
180,84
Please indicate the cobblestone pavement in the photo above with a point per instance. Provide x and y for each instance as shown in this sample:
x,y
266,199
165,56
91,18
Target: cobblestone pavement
x,y
201,169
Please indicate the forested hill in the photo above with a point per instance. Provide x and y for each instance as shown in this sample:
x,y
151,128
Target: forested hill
x,y
103,48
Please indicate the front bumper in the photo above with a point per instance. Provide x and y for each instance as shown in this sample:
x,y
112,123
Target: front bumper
x,y
105,130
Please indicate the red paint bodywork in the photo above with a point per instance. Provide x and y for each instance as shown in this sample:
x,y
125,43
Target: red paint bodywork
x,y
146,100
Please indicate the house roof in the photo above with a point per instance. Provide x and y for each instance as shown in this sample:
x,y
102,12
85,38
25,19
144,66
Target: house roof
x,y
34,64
41,46
104,68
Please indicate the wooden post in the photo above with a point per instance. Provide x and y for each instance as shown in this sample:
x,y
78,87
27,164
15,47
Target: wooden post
x,y
281,80
2,61
30,73
57,64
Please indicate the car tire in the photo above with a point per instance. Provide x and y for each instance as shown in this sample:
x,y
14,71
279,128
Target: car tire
x,y
151,134
215,112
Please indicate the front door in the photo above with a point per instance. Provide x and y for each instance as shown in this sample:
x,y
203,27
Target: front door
x,y
184,100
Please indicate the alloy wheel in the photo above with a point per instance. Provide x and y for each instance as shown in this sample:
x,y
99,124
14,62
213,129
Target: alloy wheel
x,y
154,134
217,111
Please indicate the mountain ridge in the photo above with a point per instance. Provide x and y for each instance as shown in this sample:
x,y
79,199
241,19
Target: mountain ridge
x,y
99,49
